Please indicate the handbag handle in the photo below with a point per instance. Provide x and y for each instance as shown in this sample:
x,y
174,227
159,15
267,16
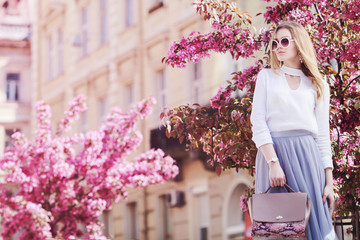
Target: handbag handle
x,y
287,186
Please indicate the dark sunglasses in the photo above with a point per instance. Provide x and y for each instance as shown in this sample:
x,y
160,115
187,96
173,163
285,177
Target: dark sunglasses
x,y
284,43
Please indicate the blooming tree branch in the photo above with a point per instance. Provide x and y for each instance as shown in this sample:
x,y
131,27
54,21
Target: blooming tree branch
x,y
55,183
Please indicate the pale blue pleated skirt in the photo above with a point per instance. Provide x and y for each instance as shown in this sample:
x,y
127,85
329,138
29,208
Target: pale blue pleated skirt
x,y
299,157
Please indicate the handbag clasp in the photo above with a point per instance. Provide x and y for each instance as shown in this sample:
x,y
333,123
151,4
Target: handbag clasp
x,y
279,217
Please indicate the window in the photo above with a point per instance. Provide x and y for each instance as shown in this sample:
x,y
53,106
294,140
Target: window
x,y
130,18
235,224
60,46
197,71
11,7
8,134
161,86
83,122
196,82
129,95
55,63
102,110
107,228
50,67
235,66
202,217
103,22
164,217
12,86
131,221
84,32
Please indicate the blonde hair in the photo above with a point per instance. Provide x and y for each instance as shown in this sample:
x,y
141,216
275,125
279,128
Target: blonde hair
x,y
306,52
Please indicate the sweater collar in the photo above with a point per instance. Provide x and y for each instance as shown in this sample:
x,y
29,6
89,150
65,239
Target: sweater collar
x,y
292,71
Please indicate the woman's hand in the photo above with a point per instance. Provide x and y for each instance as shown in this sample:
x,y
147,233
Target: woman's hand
x,y
276,175
329,194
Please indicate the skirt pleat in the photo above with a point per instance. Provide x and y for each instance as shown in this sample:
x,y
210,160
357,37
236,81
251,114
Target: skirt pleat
x,y
299,158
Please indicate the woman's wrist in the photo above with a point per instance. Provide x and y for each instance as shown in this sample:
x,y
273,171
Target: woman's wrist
x,y
273,159
330,185
273,164
329,178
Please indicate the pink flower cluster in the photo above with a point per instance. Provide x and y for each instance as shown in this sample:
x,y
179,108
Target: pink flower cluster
x,y
244,78
19,211
57,182
243,203
77,106
224,38
221,98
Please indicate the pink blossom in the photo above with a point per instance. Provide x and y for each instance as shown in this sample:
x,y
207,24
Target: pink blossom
x,y
243,203
222,95
62,181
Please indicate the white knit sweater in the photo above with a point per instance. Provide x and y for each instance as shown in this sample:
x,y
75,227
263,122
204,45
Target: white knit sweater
x,y
277,107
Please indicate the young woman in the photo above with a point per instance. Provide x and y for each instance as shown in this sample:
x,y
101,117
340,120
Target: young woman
x,y
290,119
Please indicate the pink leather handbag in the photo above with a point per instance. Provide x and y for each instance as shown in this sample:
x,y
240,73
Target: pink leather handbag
x,y
279,215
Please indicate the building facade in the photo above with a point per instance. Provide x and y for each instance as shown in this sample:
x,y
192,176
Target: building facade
x,y
111,51
15,77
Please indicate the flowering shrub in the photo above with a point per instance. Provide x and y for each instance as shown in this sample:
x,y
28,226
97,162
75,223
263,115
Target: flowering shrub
x,y
63,181
334,28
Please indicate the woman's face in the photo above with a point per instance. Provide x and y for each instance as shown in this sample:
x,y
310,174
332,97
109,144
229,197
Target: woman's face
x,y
289,53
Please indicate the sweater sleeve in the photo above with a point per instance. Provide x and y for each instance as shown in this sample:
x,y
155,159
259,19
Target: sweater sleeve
x,y
260,130
322,119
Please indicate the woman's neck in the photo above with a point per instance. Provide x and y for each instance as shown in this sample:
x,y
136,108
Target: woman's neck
x,y
293,64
